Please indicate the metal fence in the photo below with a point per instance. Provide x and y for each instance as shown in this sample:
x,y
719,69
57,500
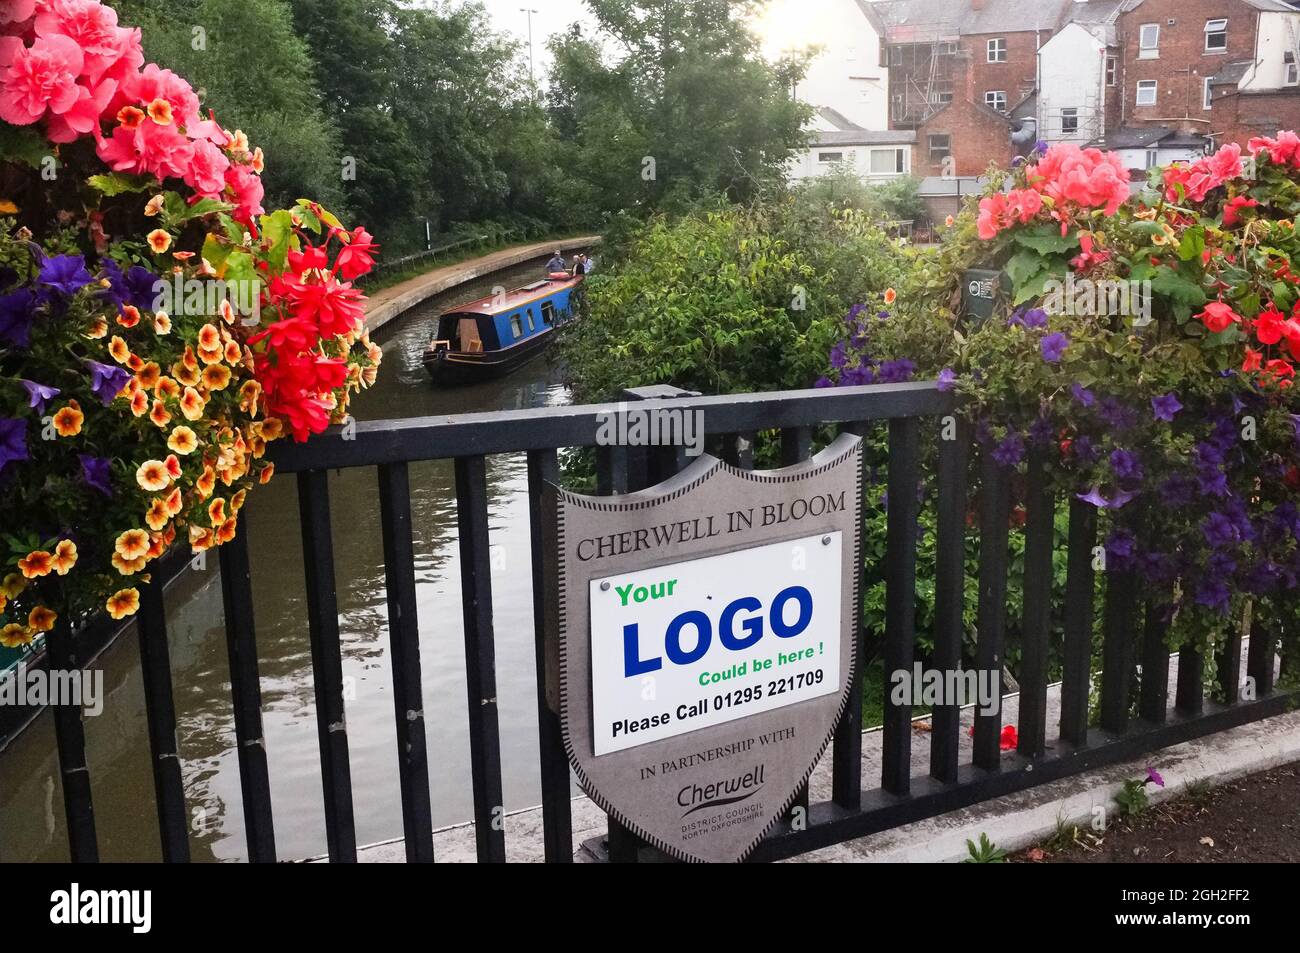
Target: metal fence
x,y
855,809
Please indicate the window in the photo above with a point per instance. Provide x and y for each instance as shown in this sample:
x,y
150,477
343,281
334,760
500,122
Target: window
x,y
1291,75
1216,36
1112,70
888,161
1153,158
548,312
516,326
830,157
947,48
996,98
532,326
940,147
851,53
1207,98
941,98
1146,92
998,50
1149,41
895,56
1069,121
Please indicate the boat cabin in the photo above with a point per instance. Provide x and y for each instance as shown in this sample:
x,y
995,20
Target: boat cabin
x,y
500,322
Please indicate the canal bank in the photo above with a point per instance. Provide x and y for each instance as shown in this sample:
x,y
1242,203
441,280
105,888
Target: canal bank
x,y
390,303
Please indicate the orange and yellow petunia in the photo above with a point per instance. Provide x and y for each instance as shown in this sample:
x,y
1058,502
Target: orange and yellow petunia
x,y
68,420
36,564
152,476
123,603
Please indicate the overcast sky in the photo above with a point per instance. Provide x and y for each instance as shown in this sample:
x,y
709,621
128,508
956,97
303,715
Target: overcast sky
x,y
787,23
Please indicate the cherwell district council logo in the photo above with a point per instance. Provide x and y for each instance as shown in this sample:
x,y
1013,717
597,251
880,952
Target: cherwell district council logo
x,y
701,643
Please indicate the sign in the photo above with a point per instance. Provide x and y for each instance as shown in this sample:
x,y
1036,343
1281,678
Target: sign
x,y
981,288
700,643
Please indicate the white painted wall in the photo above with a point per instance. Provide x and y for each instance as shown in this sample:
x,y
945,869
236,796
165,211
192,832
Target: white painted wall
x,y
1137,158
1072,74
846,75
809,164
1278,34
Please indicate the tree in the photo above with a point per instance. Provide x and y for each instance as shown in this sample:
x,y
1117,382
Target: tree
x,y
248,64
689,107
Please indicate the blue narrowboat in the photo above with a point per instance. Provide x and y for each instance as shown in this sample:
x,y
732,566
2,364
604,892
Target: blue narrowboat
x,y
496,335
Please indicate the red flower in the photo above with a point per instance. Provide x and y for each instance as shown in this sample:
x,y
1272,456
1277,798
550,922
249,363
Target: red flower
x,y
1269,325
1217,316
1232,210
357,255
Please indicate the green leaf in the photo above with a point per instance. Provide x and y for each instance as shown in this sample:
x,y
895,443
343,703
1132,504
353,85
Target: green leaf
x,y
118,183
24,145
1046,240
1170,284
215,252
239,267
1193,244
277,228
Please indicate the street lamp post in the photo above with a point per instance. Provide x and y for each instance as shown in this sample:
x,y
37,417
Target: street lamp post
x,y
531,78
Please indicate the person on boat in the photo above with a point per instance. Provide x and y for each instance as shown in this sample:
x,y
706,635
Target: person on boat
x,y
556,264
578,268
588,264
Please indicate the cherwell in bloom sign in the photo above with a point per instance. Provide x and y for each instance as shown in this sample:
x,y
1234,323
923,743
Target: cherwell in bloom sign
x,y
702,642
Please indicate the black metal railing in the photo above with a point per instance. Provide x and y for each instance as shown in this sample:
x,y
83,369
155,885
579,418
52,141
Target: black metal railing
x,y
911,412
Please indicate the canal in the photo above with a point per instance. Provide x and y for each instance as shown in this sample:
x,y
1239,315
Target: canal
x,y
31,806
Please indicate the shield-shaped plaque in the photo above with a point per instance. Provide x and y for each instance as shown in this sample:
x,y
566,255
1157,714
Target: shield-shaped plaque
x,y
701,643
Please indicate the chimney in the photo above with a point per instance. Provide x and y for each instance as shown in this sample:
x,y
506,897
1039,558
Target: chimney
x,y
977,4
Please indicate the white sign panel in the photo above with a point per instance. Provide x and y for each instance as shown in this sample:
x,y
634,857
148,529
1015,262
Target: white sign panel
x,y
707,641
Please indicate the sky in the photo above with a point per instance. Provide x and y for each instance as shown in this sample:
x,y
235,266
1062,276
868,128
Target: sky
x,y
785,24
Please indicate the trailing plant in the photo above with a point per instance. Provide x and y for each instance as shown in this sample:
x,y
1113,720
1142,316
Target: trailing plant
x,y
158,328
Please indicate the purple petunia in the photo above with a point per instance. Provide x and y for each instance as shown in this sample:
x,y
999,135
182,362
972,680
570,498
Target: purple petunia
x,y
1035,318
1153,777
947,379
106,380
1053,347
1219,530
39,394
896,372
1083,395
95,471
1126,466
1118,500
137,286
16,317
1165,407
13,441
1010,450
1120,546
65,274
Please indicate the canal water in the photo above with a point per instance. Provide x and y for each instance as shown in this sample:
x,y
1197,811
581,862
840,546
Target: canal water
x,y
31,809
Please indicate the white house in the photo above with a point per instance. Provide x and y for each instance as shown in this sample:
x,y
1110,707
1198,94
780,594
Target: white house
x,y
1076,67
837,144
845,74
1277,49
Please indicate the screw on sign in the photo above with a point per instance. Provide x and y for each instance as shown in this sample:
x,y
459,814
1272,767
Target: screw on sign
x,y
691,584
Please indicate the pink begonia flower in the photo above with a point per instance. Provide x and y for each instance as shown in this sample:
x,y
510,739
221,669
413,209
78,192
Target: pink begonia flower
x,y
162,151
108,48
84,116
38,78
1088,178
152,83
207,172
247,187
1284,150
16,11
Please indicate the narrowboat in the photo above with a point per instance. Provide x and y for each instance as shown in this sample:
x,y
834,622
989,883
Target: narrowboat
x,y
496,335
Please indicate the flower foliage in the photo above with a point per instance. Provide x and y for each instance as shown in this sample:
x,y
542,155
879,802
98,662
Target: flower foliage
x,y
158,329
1144,355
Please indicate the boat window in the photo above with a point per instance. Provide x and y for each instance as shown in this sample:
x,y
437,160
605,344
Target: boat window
x,y
516,326
532,326
548,312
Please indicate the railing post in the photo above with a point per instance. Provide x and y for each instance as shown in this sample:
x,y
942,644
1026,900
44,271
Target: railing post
x,y
949,591
1079,602
70,736
900,598
991,618
160,712
1040,533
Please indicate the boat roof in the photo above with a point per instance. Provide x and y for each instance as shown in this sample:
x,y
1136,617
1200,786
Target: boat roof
x,y
492,304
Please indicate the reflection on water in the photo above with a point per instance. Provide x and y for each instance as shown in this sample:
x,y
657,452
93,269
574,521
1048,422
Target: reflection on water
x,y
31,808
